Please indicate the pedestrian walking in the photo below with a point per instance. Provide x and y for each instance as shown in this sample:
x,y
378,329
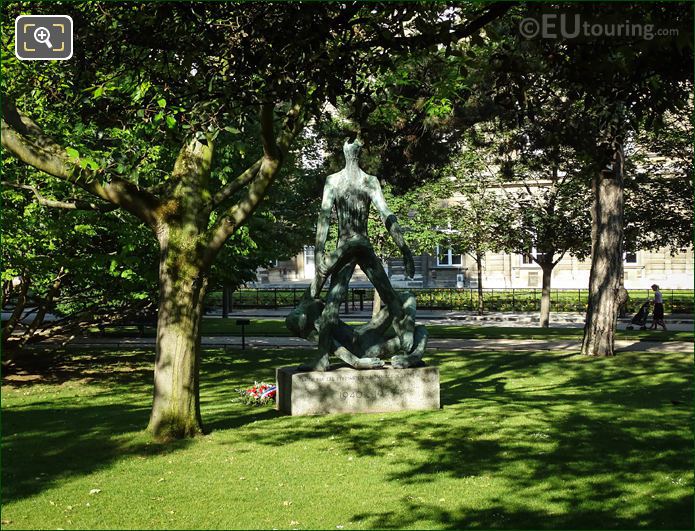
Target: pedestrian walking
x,y
658,315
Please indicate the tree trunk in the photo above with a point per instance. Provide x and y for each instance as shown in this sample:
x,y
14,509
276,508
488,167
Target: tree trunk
x,y
545,295
43,308
479,264
6,292
17,312
606,261
182,284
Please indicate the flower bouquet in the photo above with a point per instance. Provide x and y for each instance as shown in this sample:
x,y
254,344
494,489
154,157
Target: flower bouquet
x,y
260,394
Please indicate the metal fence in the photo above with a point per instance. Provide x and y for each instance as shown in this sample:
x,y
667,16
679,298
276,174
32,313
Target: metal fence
x,y
453,299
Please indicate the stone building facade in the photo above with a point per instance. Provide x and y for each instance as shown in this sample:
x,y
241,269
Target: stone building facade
x,y
446,268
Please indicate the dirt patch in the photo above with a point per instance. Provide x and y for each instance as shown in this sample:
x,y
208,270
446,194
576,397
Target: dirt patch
x,y
63,367
11,378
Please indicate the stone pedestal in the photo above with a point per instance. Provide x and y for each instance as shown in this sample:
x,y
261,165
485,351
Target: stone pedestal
x,y
348,390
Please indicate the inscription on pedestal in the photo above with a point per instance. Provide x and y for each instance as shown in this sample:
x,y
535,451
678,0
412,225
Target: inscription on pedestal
x,y
347,390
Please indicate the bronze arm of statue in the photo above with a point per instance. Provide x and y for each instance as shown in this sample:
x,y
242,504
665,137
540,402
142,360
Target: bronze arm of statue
x,y
394,229
322,227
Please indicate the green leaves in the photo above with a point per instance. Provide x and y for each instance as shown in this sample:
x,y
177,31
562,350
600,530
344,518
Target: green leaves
x,y
439,107
128,274
141,91
86,162
88,230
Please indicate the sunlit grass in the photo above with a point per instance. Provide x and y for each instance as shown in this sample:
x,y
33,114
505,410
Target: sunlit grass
x,y
524,440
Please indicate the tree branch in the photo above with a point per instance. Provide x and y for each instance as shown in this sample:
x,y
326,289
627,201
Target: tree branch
x,y
44,306
562,255
459,32
237,184
275,151
74,204
25,141
270,148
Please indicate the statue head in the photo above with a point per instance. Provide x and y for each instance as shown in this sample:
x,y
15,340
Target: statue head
x,y
352,151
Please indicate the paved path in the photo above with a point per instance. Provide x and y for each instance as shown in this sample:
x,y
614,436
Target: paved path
x,y
443,344
676,322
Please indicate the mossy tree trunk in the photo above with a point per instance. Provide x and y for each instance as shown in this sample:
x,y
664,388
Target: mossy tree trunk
x,y
182,285
606,260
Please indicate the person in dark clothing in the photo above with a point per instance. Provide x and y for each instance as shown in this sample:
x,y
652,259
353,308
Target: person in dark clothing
x,y
658,316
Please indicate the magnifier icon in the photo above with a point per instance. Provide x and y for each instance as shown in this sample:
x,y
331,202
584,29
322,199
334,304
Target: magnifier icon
x,y
42,35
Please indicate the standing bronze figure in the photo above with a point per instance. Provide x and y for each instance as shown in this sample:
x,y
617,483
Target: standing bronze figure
x,y
393,331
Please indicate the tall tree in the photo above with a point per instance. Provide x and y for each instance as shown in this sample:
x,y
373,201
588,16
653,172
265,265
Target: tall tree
x,y
544,184
473,218
191,213
622,84
552,223
634,85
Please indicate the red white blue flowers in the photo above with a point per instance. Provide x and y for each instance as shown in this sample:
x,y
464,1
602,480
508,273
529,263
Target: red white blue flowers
x,y
260,394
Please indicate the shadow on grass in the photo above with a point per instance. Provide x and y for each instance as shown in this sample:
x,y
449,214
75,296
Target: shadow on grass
x,y
64,435
54,438
596,443
574,442
501,516
44,445
108,366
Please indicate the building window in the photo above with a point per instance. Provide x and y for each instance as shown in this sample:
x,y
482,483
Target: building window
x,y
527,259
630,258
309,263
308,254
448,257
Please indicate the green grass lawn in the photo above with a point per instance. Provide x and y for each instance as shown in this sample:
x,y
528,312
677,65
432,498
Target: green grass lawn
x,y
524,440
276,327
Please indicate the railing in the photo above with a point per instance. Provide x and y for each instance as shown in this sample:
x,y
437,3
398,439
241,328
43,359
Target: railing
x,y
453,299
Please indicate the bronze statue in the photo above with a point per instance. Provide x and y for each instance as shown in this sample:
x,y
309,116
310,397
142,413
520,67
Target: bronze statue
x,y
392,332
